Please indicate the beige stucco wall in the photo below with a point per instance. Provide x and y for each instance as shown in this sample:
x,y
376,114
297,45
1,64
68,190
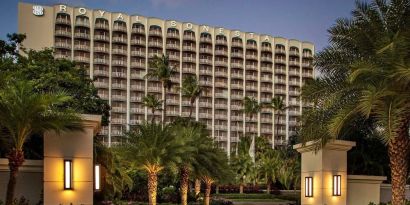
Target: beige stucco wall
x,y
78,147
363,189
385,193
29,180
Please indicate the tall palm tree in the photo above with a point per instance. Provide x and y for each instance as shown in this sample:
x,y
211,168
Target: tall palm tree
x,y
160,69
23,113
242,164
192,90
269,165
152,102
366,76
152,148
278,106
251,107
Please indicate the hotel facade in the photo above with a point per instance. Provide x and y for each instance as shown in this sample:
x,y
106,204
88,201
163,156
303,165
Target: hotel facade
x,y
115,49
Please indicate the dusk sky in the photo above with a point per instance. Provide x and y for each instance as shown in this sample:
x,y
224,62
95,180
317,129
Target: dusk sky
x,y
306,20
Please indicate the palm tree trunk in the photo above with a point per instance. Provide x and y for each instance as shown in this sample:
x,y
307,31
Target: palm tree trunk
x,y
276,127
208,187
164,100
184,172
152,188
16,159
197,187
153,115
398,150
268,186
190,110
241,188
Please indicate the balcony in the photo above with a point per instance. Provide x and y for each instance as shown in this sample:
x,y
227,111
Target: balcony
x,y
155,44
236,55
205,83
267,59
251,46
189,59
294,73
280,142
173,35
119,75
101,49
101,61
280,51
63,33
307,55
221,106
101,85
205,115
251,57
294,93
221,84
119,40
63,21
189,38
251,67
280,132
82,35
173,57
237,118
205,61
138,54
280,61
205,72
119,97
266,79
155,33
118,121
280,71
82,59
119,28
189,48
251,88
266,89
307,65
205,40
237,65
101,38
136,98
206,50
137,64
266,69
172,46
221,73
119,63
294,63
221,53
280,81
205,104
280,91
221,42
63,45
154,89
236,107
294,83
101,73
221,63
237,86
119,109
294,103
138,30
119,86
237,44
237,75
266,49
237,96
294,53
117,51
221,95
307,74
138,42
101,26
137,87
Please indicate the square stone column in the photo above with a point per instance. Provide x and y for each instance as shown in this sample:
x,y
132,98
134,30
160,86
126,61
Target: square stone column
x,y
76,146
322,165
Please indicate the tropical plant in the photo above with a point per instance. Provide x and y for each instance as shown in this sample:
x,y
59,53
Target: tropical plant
x,y
152,147
242,164
251,107
160,69
23,113
278,106
269,165
116,176
366,76
151,102
192,90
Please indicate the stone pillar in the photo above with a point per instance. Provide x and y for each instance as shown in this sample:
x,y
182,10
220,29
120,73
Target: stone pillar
x,y
364,189
322,165
75,146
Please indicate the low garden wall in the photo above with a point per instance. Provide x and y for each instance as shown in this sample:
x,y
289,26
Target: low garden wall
x,y
29,180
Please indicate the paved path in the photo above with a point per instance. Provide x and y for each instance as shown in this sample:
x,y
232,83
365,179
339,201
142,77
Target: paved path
x,y
261,203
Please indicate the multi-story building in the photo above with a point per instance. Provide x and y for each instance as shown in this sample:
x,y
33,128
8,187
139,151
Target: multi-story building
x,y
115,49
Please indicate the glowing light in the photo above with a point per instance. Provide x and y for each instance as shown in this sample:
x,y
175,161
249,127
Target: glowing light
x,y
308,186
97,176
68,174
337,185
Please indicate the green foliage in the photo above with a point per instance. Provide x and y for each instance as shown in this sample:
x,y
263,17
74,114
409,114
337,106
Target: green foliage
x,y
251,106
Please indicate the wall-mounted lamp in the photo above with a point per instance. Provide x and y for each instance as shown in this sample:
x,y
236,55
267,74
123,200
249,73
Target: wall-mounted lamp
x,y
337,185
97,175
68,174
308,186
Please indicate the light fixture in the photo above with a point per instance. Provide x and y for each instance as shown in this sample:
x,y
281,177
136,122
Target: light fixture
x,y
68,174
337,185
97,175
308,186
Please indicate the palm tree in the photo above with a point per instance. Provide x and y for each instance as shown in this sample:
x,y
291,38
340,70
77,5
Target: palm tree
x,y
269,165
278,106
196,160
152,148
152,102
242,164
23,113
366,77
192,90
160,69
251,107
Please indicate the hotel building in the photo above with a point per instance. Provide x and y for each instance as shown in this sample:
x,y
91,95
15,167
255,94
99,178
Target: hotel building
x,y
115,49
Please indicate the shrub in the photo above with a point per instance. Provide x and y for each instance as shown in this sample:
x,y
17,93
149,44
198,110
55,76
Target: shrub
x,y
221,202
